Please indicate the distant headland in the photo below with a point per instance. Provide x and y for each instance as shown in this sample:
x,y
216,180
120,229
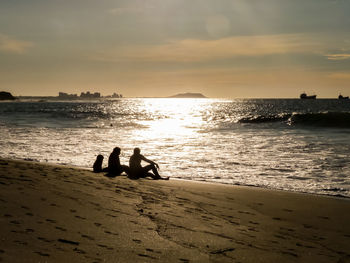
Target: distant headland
x,y
6,96
188,95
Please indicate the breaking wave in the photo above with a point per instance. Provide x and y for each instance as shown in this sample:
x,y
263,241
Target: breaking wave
x,y
263,119
321,119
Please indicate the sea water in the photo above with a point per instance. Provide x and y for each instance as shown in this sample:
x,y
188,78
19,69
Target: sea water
x,y
287,144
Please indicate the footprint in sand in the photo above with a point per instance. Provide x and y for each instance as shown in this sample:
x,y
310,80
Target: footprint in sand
x,y
88,237
146,256
80,251
61,228
222,251
21,242
42,254
324,217
111,215
277,218
301,245
111,233
234,223
289,253
253,229
106,247
307,226
279,236
287,229
137,241
70,242
246,212
15,222
44,239
101,245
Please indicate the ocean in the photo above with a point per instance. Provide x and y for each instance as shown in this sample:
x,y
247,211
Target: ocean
x,y
287,144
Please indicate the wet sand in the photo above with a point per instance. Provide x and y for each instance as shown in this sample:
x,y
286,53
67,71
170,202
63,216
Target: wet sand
x,y
55,213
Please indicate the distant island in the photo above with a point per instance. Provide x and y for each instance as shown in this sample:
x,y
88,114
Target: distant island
x,y
6,96
188,95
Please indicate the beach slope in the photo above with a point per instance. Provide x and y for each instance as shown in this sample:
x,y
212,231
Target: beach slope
x,y
54,213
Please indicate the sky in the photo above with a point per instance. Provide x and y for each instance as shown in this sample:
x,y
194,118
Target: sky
x,y
155,48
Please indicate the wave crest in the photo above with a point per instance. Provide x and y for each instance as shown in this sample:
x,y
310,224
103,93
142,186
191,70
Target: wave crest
x,y
320,119
263,119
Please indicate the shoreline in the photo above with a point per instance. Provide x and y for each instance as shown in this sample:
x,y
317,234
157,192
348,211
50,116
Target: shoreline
x,y
52,213
187,180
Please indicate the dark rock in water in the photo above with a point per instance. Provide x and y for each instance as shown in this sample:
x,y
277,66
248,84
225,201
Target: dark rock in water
x,y
188,95
304,96
341,97
6,96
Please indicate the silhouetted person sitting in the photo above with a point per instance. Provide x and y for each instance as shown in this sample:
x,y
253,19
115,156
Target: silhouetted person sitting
x,y
97,167
137,171
114,166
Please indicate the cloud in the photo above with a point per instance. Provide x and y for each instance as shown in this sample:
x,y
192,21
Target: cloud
x,y
11,45
342,56
198,50
135,8
340,75
124,10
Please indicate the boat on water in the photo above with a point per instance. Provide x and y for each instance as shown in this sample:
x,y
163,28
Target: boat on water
x,y
341,97
305,96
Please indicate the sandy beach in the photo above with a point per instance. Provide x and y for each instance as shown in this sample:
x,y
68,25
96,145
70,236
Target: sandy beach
x,y
53,213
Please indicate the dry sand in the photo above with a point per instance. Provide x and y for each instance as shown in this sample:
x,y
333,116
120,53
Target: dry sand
x,y
53,213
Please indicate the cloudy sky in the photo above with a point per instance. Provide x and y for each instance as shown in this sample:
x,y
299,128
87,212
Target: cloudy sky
x,y
221,48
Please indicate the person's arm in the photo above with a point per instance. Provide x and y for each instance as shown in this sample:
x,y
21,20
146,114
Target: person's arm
x,y
149,161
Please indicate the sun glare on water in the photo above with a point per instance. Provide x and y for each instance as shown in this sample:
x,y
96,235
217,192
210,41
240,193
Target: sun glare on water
x,y
172,118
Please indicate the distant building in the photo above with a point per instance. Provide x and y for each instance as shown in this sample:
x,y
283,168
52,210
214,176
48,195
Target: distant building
x,y
63,95
89,95
114,95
